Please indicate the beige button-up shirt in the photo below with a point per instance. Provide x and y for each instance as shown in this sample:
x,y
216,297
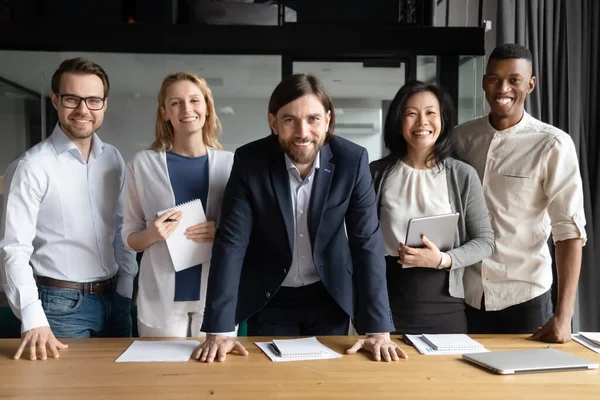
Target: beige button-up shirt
x,y
532,187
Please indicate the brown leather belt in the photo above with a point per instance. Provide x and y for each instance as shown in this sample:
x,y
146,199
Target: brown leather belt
x,y
108,285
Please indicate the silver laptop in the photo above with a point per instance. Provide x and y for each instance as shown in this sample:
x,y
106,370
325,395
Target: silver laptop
x,y
524,361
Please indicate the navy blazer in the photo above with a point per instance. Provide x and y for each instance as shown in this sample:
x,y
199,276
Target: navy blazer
x,y
252,250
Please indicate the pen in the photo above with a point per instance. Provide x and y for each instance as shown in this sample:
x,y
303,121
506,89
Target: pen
x,y
274,349
170,220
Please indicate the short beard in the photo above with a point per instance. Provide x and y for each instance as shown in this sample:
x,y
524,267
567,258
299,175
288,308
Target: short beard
x,y
71,134
296,155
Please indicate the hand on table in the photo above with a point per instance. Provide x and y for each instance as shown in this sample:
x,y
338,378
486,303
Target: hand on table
x,y
215,347
556,330
38,340
381,346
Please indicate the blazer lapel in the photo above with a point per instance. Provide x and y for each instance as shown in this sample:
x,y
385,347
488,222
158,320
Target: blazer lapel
x,y
281,185
320,192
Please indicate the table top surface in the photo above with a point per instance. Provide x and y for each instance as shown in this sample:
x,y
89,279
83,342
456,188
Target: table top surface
x,y
86,370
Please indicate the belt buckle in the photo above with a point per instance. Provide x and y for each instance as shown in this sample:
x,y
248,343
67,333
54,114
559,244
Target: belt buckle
x,y
91,288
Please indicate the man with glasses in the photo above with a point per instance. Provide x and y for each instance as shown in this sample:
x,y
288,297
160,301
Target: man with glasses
x,y
63,266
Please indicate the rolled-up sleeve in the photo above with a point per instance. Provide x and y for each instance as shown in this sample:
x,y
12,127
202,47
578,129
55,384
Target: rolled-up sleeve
x,y
564,189
24,188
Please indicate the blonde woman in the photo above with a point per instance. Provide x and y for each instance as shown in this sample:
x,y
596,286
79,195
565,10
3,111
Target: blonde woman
x,y
185,162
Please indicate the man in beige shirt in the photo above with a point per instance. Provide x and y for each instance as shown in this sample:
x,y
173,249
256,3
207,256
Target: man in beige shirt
x,y
532,186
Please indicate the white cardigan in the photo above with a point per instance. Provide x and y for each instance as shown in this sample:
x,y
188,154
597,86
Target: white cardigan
x,y
148,190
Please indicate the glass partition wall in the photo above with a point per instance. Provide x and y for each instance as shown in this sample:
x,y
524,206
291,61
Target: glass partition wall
x,y
361,88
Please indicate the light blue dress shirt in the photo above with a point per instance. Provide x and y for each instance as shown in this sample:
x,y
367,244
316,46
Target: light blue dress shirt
x,y
302,271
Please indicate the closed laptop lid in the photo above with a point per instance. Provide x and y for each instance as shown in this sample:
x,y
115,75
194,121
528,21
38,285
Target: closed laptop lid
x,y
538,360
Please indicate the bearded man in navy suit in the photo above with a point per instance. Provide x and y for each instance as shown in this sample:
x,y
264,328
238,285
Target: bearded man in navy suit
x,y
298,250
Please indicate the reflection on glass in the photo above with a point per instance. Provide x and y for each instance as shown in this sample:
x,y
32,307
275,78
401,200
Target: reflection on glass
x,y
360,96
471,102
20,109
427,69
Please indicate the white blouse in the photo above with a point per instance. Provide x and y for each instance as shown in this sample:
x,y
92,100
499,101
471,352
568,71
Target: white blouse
x,y
410,193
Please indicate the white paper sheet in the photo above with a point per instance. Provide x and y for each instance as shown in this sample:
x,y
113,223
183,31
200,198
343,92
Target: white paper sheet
x,y
579,338
264,346
159,351
424,348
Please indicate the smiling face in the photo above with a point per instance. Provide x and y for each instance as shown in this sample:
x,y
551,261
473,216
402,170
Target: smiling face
x,y
185,108
301,126
421,122
79,123
506,84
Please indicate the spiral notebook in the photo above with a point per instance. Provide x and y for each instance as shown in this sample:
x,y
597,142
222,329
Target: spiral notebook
x,y
297,350
447,342
444,344
184,252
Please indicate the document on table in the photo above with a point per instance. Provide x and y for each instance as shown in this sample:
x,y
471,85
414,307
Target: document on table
x,y
588,339
297,350
425,347
159,351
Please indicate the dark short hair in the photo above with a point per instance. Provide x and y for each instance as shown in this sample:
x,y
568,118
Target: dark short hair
x,y
79,66
509,51
392,130
296,86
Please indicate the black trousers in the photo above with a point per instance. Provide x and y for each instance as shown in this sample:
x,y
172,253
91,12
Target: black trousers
x,y
303,311
521,318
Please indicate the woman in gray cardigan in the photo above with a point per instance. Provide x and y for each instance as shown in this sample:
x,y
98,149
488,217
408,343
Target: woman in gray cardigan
x,y
419,178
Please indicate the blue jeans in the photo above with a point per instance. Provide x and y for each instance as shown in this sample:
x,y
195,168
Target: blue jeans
x,y
76,314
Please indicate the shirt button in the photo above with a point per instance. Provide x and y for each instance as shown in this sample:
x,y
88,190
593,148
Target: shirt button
x,y
285,271
302,235
302,257
301,211
267,295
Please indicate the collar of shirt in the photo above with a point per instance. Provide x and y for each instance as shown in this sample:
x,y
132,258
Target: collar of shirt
x,y
513,129
291,167
62,143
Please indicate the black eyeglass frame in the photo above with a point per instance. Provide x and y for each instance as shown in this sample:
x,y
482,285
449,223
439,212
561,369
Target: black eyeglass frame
x,y
84,99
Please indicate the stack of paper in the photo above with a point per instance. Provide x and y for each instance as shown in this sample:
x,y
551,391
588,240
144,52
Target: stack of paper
x,y
297,350
445,344
591,340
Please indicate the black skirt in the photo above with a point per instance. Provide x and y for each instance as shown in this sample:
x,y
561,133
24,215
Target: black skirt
x,y
421,301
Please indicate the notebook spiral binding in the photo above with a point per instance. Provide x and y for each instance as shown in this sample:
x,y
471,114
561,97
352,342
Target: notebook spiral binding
x,y
179,206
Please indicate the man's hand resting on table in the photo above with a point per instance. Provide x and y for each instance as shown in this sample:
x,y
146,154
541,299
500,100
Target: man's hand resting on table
x,y
38,340
215,348
381,346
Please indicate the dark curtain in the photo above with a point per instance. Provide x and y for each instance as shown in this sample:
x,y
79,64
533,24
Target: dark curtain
x,y
564,38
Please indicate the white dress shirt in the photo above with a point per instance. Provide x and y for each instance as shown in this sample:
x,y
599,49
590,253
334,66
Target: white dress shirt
x,y
302,271
532,186
62,219
410,193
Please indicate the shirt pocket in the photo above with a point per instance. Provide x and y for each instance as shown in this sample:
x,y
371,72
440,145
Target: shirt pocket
x,y
517,181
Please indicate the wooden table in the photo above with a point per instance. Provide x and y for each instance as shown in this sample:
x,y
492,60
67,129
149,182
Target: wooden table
x,y
87,371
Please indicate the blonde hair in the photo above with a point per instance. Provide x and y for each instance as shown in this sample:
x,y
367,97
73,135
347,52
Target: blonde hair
x,y
164,130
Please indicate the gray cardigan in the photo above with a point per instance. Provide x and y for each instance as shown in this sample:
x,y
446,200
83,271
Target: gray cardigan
x,y
474,236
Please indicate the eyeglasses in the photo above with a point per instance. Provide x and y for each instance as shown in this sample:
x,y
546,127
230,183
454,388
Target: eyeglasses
x,y
72,101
